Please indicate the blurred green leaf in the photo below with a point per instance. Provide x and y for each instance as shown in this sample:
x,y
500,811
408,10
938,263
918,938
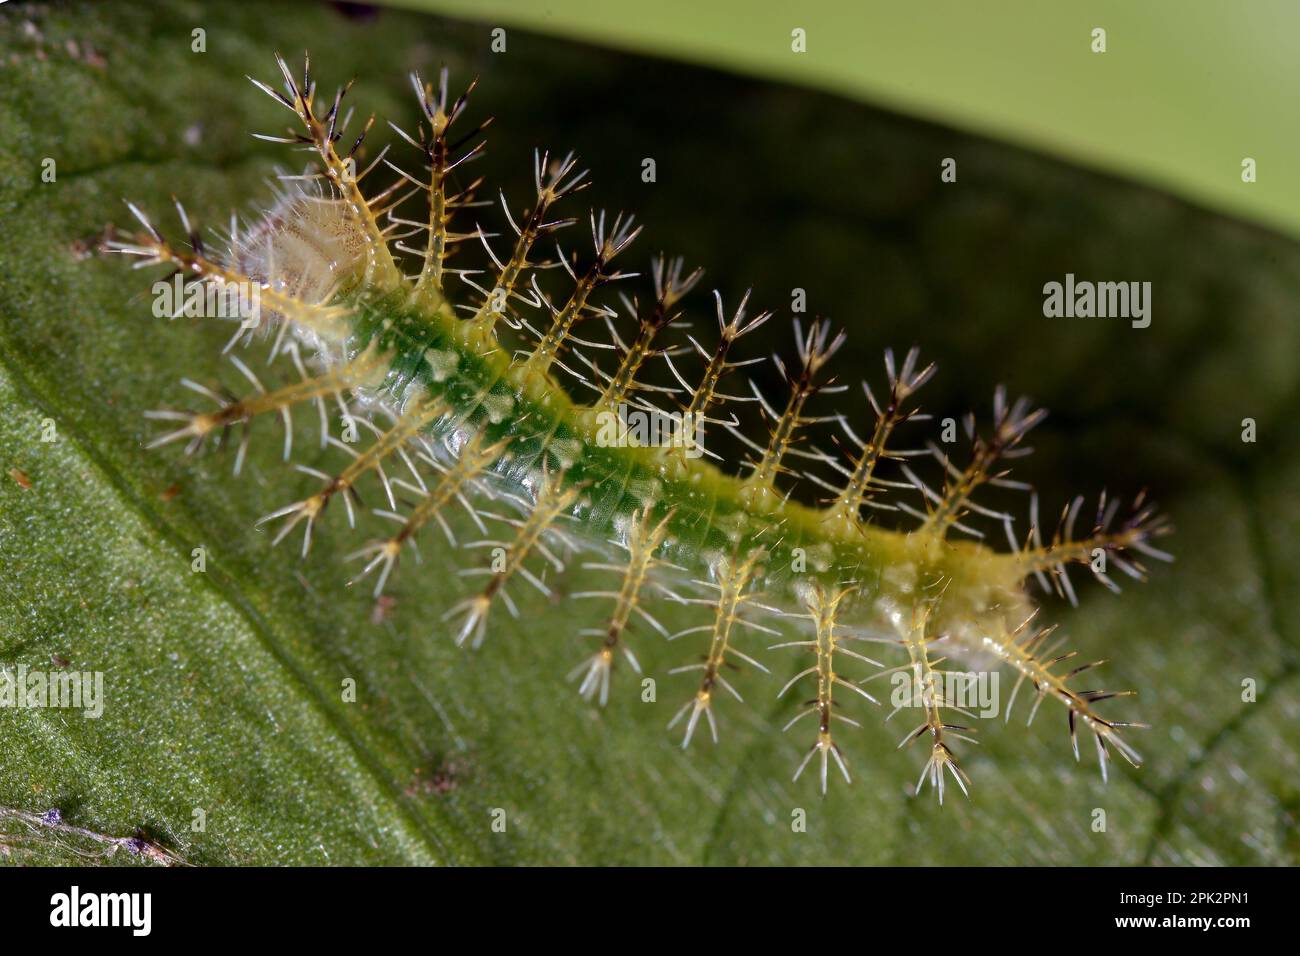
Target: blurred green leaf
x,y
1184,92
225,688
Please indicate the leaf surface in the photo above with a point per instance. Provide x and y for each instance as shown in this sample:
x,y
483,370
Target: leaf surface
x,y
225,690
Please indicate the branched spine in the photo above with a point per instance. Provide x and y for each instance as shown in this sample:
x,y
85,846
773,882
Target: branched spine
x,y
551,185
418,416
440,164
1010,425
320,317
815,349
733,580
862,482
705,395
643,540
241,411
553,500
1105,543
927,681
608,245
1032,654
823,609
456,482
341,171
670,288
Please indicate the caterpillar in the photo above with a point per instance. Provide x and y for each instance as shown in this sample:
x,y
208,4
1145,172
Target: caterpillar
x,y
460,389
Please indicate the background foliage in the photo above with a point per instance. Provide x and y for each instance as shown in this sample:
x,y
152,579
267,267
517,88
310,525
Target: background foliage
x,y
1184,91
224,688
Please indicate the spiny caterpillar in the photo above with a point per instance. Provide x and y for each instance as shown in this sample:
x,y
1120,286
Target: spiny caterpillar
x,y
454,373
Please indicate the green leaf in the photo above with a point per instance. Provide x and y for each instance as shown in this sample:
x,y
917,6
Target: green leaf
x,y
1183,93
225,689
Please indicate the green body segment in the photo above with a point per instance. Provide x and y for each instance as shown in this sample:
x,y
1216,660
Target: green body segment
x,y
428,351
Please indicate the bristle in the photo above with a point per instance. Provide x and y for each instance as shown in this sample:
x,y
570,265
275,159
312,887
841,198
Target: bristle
x,y
815,349
644,538
553,500
552,183
823,609
608,245
419,415
199,426
927,683
1104,545
320,317
1031,655
732,582
670,287
705,396
456,483
1010,425
440,162
862,483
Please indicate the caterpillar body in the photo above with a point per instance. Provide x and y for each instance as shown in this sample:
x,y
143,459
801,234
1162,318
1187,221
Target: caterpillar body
x,y
453,378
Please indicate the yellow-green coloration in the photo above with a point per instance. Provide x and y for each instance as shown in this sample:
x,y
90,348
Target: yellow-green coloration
x,y
643,540
500,427
733,580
